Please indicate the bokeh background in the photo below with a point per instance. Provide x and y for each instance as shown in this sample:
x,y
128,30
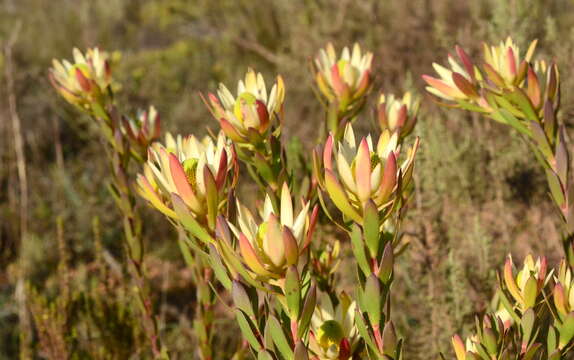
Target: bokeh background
x,y
480,193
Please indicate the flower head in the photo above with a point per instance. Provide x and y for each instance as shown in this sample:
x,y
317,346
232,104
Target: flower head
x,y
346,78
191,174
362,172
86,80
503,64
527,285
333,333
144,128
564,290
398,114
247,117
270,246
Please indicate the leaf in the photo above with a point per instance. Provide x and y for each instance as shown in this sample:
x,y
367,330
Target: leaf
x,y
279,338
566,331
218,268
307,312
359,250
293,292
242,300
372,299
212,197
264,355
246,330
389,339
530,292
527,325
386,265
459,348
188,221
339,197
364,332
301,352
371,227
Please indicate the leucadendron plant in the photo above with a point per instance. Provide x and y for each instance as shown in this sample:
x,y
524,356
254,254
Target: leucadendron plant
x,y
280,276
509,87
87,83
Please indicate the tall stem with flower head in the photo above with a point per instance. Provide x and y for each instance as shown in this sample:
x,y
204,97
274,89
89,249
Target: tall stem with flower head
x,y
532,322
252,120
192,181
369,187
87,83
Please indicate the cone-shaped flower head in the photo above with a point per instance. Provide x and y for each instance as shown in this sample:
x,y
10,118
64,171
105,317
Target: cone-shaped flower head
x,y
346,78
269,247
86,80
527,285
144,128
564,290
503,64
362,172
396,114
247,117
189,176
333,332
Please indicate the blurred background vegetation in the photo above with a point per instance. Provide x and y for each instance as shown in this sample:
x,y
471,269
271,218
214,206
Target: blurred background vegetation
x,y
480,193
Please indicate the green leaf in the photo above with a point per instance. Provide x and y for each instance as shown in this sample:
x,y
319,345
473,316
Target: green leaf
x,y
242,300
359,250
530,292
188,221
566,331
371,227
246,330
386,265
372,299
527,325
293,292
364,332
218,268
307,312
279,338
519,98
552,340
264,355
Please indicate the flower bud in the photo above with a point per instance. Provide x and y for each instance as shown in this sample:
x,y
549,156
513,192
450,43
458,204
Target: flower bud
x,y
398,115
142,129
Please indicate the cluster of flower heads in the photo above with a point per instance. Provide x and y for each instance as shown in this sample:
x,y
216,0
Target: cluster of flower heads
x,y
192,181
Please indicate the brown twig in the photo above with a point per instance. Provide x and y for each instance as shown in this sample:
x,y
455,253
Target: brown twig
x,y
20,293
